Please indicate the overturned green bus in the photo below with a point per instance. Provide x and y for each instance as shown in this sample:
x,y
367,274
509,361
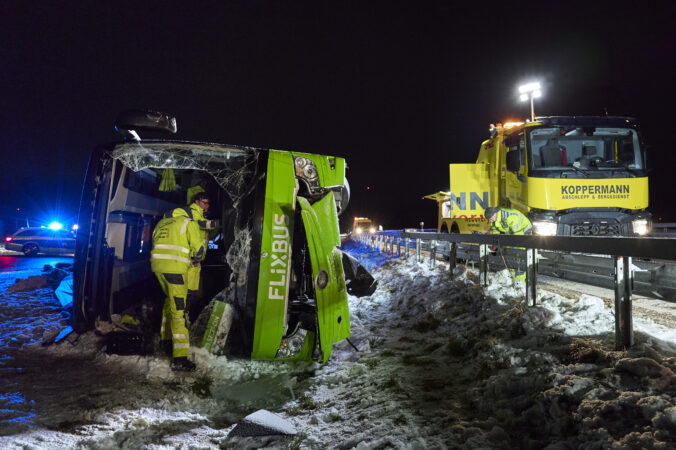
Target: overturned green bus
x,y
275,258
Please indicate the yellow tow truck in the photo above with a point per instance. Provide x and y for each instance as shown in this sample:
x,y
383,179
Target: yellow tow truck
x,y
363,225
572,176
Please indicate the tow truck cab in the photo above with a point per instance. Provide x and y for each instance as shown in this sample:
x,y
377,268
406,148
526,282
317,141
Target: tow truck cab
x,y
573,176
362,225
275,258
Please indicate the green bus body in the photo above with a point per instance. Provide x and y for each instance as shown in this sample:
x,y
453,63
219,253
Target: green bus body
x,y
278,262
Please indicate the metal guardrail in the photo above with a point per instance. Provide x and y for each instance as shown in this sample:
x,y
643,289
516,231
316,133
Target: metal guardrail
x,y
621,250
664,229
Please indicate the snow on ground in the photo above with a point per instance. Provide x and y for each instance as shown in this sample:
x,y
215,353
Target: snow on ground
x,y
442,363
4,251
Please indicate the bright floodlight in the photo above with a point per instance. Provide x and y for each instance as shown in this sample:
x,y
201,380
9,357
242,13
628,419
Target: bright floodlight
x,y
55,226
529,92
530,87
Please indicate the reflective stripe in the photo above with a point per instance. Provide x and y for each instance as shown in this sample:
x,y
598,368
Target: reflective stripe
x,y
179,336
172,257
208,224
181,346
184,225
178,248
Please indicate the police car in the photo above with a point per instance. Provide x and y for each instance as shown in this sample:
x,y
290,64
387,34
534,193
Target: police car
x,y
32,241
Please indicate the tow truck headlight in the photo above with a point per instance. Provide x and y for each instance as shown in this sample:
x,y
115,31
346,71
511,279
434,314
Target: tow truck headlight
x,y
372,230
358,230
544,228
640,226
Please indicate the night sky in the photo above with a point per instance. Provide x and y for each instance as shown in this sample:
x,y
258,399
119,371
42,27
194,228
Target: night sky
x,y
400,89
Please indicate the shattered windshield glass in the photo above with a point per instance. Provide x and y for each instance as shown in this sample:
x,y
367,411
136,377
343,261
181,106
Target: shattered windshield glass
x,y
233,168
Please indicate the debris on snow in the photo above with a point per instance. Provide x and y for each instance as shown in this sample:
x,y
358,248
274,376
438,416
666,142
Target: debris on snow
x,y
262,423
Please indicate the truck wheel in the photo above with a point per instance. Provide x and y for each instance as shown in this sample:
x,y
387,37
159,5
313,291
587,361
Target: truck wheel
x,y
30,250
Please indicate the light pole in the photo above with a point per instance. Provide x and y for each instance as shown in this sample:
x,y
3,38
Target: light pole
x,y
530,91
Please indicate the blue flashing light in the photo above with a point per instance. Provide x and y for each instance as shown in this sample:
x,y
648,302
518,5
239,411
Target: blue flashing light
x,y
55,226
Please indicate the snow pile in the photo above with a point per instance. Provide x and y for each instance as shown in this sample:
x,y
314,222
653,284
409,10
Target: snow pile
x,y
442,363
4,251
445,363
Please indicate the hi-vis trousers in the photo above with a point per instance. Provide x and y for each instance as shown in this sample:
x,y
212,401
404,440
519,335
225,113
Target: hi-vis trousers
x,y
173,327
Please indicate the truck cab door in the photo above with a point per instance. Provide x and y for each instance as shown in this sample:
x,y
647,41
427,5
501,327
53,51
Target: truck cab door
x,y
516,182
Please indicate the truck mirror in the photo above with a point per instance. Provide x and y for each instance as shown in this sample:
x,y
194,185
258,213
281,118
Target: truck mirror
x,y
647,162
513,161
134,119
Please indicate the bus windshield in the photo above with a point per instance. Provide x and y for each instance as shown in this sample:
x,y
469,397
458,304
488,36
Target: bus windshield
x,y
584,149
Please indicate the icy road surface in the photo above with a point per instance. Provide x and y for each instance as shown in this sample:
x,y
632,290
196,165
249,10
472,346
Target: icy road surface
x,y
443,363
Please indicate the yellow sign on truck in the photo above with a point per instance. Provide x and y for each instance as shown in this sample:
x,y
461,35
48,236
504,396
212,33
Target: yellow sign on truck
x,y
572,176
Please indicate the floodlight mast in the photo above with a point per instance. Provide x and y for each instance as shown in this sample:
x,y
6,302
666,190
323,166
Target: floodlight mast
x,y
529,92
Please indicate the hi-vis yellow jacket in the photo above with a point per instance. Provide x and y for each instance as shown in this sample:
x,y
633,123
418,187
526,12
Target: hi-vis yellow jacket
x,y
510,221
177,242
207,227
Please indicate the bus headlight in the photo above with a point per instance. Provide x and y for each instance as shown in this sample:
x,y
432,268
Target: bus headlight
x,y
544,228
307,170
358,230
640,226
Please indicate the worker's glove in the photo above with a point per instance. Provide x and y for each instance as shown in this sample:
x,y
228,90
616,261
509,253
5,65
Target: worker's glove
x,y
210,224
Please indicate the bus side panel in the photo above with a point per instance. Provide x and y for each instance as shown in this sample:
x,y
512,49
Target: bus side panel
x,y
275,256
88,267
333,316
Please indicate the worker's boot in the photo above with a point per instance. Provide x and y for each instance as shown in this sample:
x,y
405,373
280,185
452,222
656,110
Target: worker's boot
x,y
183,364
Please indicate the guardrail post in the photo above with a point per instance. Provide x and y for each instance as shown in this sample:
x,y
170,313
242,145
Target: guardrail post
x,y
418,248
399,247
433,252
531,275
408,247
483,263
624,328
453,249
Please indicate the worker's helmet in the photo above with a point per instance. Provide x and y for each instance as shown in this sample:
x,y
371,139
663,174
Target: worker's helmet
x,y
490,211
200,196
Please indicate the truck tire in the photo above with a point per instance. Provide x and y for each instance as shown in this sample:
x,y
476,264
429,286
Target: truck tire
x,y
30,249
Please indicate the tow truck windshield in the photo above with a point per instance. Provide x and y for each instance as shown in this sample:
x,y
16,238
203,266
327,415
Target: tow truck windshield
x,y
587,152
